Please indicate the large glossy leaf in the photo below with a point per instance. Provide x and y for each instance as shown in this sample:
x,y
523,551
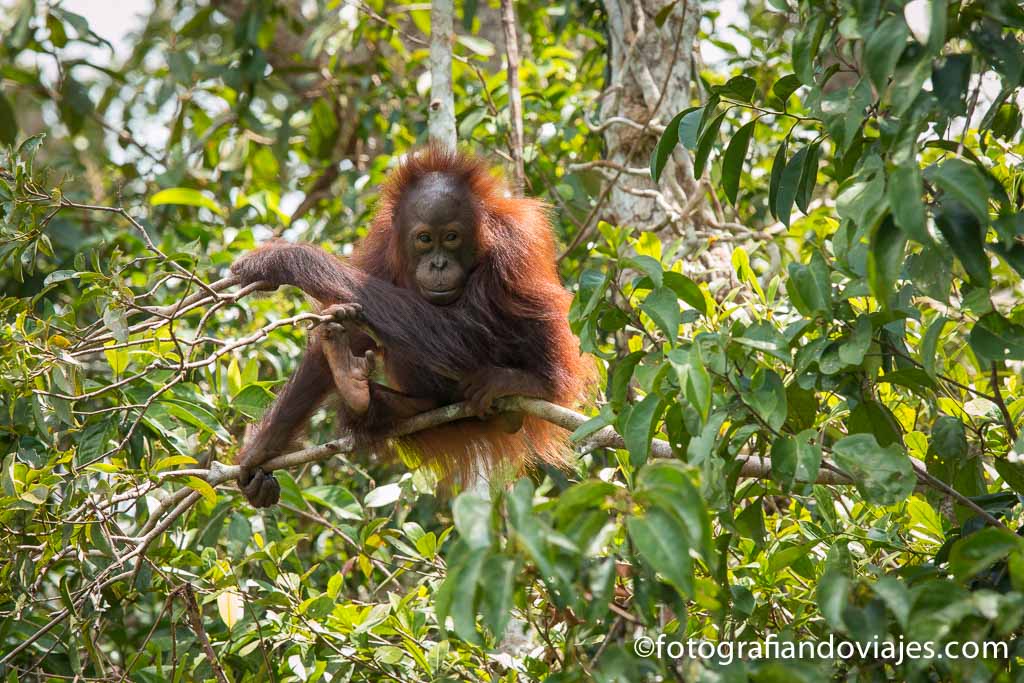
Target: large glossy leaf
x,y
707,141
789,186
885,260
883,49
660,538
663,308
795,458
667,143
778,166
472,513
979,551
905,192
994,338
808,177
732,162
641,422
963,182
964,233
884,475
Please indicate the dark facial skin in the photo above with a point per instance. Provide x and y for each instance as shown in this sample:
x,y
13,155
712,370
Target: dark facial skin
x,y
436,219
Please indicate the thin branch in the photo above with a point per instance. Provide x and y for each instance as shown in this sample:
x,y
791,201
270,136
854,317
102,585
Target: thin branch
x,y
515,99
196,618
998,396
754,467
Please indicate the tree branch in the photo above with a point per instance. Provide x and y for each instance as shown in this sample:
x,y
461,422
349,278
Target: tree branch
x,y
753,467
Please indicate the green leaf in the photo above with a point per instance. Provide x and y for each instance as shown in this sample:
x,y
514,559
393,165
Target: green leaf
x,y
857,344
337,498
732,162
738,87
667,143
871,417
884,476
640,426
185,196
767,397
789,185
660,539
663,308
8,122
707,141
1011,472
1014,255
833,597
75,103
198,416
842,111
905,191
498,575
813,287
689,127
930,344
951,83
472,513
862,200
785,86
795,458
382,496
662,16
687,290
949,439
202,487
994,338
693,378
622,373
963,182
966,236
883,49
465,578
778,165
885,260
116,321
977,552
808,177
667,484
648,265
476,44
805,47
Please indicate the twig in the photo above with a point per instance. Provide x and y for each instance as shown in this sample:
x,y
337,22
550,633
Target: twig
x,y
752,466
998,397
197,625
515,99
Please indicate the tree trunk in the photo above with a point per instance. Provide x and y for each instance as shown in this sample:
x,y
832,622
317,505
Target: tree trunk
x,y
650,82
441,119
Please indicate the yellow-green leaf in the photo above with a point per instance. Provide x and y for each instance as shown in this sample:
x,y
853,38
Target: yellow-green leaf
x,y
202,487
184,196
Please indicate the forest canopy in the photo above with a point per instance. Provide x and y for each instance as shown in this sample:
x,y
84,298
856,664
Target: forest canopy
x,y
793,233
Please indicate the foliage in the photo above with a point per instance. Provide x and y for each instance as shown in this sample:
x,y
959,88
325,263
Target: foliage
x,y
872,334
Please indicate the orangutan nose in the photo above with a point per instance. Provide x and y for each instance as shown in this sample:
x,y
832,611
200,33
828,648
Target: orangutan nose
x,y
438,263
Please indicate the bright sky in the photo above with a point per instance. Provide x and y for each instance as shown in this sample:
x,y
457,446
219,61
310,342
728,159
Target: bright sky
x,y
111,20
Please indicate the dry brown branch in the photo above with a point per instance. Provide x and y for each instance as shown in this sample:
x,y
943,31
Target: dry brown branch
x,y
196,619
515,98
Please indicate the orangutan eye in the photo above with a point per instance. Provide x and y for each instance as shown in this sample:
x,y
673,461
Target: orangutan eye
x,y
451,237
424,238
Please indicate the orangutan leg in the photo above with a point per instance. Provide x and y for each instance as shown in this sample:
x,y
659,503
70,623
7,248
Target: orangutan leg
x,y
351,373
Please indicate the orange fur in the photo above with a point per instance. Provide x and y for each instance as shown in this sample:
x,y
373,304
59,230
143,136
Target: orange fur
x,y
517,275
